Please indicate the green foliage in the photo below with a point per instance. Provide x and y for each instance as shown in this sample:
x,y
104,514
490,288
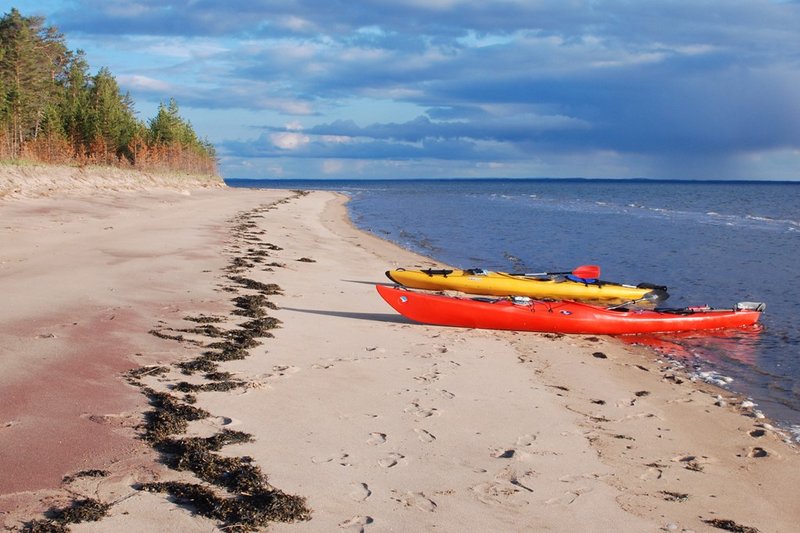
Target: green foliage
x,y
53,109
111,118
74,103
32,57
169,128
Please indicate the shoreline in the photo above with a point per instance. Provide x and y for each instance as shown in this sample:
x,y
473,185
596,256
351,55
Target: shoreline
x,y
380,424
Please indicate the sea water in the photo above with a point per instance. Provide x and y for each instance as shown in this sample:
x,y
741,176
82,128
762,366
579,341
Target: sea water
x,y
711,243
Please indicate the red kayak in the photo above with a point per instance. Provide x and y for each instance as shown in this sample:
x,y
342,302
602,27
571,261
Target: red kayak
x,y
561,316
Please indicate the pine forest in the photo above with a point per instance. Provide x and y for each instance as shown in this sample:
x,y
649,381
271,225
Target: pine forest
x,y
54,111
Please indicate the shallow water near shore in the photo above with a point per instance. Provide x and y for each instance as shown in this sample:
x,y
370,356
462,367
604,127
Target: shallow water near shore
x,y
711,243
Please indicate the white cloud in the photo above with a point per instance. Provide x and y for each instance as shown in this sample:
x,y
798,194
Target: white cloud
x,y
332,166
289,141
296,23
336,139
136,81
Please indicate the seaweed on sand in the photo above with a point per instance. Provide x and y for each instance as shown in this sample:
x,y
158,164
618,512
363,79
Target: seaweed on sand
x,y
260,327
85,473
234,347
134,376
195,454
85,510
672,496
197,365
169,417
204,319
246,512
227,351
730,525
257,255
219,376
263,288
208,330
252,305
240,496
239,264
220,386
157,333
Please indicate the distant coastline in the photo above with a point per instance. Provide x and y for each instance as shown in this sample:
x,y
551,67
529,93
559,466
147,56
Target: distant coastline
x,y
249,182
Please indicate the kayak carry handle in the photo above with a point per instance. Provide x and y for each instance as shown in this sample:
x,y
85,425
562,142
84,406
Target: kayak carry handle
x,y
441,272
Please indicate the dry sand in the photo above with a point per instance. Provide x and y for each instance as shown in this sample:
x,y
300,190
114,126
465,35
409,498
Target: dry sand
x,y
380,424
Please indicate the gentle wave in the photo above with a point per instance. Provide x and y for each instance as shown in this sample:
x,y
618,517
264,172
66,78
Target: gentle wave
x,y
756,222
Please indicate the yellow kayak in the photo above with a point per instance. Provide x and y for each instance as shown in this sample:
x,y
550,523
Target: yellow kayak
x,y
557,287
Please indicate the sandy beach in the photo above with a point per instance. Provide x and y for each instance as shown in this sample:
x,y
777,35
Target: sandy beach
x,y
251,318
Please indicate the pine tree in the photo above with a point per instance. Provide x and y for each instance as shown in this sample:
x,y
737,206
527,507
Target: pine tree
x,y
111,121
74,104
168,127
32,58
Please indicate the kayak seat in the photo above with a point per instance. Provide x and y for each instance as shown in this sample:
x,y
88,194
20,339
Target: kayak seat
x,y
674,310
652,286
587,281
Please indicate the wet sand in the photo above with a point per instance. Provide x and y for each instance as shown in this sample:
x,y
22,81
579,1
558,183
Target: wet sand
x,y
254,315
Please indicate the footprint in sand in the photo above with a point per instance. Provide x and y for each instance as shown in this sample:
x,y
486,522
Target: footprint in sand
x,y
472,468
283,370
375,349
447,394
652,472
690,462
508,488
420,412
526,440
391,460
494,493
424,436
278,372
376,438
356,524
510,475
502,453
430,376
575,478
523,441
116,421
418,500
757,452
224,421
340,458
567,498
360,491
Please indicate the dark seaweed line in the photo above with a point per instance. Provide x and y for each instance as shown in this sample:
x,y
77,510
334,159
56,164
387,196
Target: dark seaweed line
x,y
236,492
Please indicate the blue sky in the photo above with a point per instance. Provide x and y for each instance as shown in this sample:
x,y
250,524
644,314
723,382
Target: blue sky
x,y
694,89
